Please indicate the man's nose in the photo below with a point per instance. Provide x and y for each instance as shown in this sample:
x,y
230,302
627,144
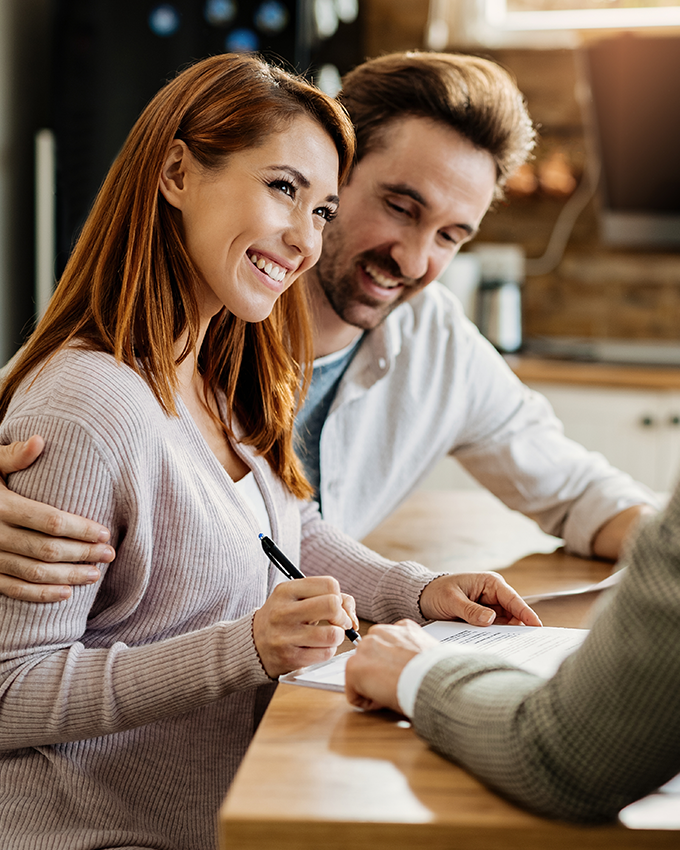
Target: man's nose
x,y
412,253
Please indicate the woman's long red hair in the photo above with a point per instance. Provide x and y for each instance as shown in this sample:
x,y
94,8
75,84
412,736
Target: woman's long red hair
x,y
128,287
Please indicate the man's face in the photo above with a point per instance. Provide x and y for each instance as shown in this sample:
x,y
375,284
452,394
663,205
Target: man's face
x,y
409,206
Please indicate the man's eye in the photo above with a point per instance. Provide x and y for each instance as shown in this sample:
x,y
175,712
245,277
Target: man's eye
x,y
396,207
284,186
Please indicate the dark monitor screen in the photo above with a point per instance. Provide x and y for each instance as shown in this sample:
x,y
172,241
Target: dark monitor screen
x,y
635,85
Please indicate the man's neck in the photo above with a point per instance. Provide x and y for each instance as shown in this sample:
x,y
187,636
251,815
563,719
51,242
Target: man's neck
x,y
331,333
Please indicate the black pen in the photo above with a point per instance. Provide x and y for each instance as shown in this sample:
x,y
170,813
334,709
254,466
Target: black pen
x,y
289,570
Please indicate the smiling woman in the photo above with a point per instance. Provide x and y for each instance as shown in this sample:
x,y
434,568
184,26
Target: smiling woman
x,y
163,379
256,225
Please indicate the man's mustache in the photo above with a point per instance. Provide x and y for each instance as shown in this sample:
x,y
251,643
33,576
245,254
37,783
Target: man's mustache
x,y
387,265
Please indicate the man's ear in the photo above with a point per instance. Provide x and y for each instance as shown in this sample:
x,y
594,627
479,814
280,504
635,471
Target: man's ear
x,y
173,179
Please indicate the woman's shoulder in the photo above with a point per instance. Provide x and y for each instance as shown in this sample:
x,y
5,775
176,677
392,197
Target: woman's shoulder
x,y
77,383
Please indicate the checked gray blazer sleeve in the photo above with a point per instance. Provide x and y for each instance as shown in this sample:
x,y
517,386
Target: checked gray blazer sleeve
x,y
605,730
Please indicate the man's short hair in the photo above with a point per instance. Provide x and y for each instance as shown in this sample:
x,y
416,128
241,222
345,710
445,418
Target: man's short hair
x,y
472,95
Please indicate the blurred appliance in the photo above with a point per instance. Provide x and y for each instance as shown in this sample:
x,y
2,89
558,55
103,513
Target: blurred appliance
x,y
112,56
499,299
636,122
462,277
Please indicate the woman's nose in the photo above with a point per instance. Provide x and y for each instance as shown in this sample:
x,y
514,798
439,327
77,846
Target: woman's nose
x,y
304,235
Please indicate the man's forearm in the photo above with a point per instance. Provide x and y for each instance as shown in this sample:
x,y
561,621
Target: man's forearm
x,y
610,539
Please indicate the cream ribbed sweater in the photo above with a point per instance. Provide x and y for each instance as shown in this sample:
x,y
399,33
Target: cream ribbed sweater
x,y
125,710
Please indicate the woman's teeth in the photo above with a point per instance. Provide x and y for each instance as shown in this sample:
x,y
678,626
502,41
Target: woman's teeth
x,y
270,269
381,279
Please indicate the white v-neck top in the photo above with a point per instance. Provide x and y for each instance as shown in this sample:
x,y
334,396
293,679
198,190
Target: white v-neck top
x,y
249,491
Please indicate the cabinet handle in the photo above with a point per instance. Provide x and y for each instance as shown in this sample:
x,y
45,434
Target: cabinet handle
x,y
647,421
674,419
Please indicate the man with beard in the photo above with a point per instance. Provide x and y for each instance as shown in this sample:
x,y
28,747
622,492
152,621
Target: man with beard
x,y
401,377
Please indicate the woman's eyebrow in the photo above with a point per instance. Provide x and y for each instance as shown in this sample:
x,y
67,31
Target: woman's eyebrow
x,y
297,175
302,180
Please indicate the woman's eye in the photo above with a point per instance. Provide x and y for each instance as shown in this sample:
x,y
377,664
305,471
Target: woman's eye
x,y
326,213
284,186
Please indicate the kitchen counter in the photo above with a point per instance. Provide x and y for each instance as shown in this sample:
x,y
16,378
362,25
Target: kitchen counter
x,y
532,369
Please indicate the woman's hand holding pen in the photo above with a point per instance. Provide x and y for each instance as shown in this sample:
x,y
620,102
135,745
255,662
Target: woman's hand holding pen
x,y
478,598
302,623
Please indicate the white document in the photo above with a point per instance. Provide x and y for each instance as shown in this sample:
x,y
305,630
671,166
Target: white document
x,y
660,810
605,584
539,650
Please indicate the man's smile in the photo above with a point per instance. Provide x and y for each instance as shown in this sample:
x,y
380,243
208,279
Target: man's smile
x,y
381,278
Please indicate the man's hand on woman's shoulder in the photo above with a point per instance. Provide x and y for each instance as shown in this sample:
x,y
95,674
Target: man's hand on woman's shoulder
x,y
43,551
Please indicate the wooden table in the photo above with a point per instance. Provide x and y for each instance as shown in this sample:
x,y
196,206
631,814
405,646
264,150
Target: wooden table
x,y
321,775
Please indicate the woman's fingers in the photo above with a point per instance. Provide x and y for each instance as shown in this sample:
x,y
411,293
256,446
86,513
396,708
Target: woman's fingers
x,y
510,608
477,598
301,623
350,607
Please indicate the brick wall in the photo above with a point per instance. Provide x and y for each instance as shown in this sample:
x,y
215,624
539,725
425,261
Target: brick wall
x,y
594,291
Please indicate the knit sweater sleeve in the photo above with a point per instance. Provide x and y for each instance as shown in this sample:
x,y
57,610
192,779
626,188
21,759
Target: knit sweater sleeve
x,y
605,730
55,685
384,590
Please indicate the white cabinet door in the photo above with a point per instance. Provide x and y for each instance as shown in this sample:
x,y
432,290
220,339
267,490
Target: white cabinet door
x,y
668,463
636,430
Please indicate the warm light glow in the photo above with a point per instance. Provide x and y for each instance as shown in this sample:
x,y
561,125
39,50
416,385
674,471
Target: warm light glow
x,y
498,15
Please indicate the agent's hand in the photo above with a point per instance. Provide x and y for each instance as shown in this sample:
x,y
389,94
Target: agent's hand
x,y
372,673
41,547
302,623
478,598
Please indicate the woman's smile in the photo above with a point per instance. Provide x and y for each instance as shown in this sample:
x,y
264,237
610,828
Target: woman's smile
x,y
270,268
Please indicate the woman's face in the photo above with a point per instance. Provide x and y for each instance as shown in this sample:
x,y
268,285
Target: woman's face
x,y
255,225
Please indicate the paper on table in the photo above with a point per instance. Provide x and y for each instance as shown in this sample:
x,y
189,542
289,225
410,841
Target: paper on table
x,y
538,650
329,675
657,811
610,581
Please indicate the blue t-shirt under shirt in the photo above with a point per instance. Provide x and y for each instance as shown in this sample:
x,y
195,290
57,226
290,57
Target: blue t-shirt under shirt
x,y
326,376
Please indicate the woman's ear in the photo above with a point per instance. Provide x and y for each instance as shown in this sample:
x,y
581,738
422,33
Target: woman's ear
x,y
173,179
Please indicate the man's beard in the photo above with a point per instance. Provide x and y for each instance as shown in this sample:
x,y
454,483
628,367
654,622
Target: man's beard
x,y
346,296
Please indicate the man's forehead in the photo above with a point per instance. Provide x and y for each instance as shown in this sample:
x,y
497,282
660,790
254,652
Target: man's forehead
x,y
407,137
411,151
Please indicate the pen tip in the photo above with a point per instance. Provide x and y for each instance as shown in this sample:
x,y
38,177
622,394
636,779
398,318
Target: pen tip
x,y
260,535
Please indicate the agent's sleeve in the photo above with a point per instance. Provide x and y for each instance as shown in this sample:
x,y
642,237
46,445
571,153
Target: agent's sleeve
x,y
605,730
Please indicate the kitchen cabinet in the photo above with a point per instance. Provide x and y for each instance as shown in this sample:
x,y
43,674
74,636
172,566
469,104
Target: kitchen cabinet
x,y
637,429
